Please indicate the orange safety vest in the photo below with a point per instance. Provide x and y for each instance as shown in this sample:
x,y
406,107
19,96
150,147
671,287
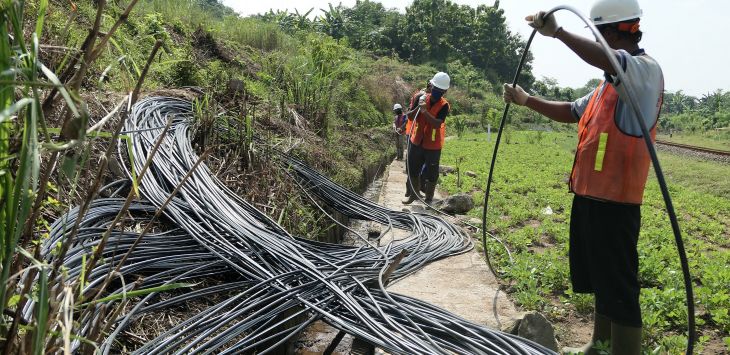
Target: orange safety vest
x,y
423,133
609,164
412,123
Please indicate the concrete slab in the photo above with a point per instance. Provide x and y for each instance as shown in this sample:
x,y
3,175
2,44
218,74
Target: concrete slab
x,y
461,284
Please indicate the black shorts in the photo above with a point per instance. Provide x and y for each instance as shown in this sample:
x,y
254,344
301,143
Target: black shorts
x,y
604,259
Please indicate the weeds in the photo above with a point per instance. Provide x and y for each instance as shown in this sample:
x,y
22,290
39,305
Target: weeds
x,y
27,144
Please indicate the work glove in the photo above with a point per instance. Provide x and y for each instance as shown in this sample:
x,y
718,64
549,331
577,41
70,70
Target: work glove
x,y
514,95
422,101
546,25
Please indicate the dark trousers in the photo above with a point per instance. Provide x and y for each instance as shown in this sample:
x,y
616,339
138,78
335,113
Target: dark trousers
x,y
428,160
399,142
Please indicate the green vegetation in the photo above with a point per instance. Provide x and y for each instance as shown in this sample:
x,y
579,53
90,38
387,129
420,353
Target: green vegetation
x,y
439,33
531,175
691,114
323,87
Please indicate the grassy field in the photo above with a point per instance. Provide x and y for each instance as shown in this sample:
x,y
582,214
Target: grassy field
x,y
531,175
711,139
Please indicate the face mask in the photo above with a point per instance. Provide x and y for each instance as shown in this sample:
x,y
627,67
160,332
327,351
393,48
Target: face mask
x,y
436,95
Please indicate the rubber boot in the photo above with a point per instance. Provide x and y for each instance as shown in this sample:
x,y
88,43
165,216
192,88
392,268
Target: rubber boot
x,y
412,190
601,332
625,340
408,186
430,188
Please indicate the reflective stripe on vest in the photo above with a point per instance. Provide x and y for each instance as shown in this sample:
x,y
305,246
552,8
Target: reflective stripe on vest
x,y
423,133
609,164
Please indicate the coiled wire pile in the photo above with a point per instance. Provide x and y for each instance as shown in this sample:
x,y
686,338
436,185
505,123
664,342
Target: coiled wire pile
x,y
280,283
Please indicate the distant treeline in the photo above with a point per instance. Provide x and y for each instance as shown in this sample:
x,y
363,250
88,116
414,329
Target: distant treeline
x,y
473,44
433,32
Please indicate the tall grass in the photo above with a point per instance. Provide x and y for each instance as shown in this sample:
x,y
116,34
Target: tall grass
x,y
253,32
181,11
26,146
19,170
247,31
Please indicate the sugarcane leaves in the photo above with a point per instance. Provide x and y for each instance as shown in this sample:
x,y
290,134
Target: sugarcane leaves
x,y
7,113
54,79
137,293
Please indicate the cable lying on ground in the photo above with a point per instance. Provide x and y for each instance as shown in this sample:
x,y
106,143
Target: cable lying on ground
x,y
280,283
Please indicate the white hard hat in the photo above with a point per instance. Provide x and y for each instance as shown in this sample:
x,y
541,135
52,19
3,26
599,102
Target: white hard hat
x,y
397,106
441,80
610,11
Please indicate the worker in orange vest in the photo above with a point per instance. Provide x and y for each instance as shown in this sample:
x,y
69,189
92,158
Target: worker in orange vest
x,y
409,125
610,169
400,128
428,131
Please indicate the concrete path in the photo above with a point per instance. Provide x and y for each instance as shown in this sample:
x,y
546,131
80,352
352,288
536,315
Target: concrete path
x,y
461,284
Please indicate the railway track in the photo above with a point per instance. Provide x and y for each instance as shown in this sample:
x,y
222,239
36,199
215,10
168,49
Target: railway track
x,y
693,148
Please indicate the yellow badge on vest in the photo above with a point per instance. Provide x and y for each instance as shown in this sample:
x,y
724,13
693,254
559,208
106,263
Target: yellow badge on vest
x,y
601,152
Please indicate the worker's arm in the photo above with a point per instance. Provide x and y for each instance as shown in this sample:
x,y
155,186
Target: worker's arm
x,y
555,110
590,51
414,105
412,113
433,121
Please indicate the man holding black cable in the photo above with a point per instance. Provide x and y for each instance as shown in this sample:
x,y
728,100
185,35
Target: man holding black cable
x,y
610,169
427,116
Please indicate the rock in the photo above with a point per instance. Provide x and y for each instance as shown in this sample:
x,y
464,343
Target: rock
x,y
236,85
535,327
470,174
445,170
512,326
457,204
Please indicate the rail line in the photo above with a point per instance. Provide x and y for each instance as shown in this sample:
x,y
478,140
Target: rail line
x,y
694,148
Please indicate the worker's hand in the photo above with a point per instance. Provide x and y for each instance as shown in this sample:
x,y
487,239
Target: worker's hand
x,y
422,101
514,95
546,25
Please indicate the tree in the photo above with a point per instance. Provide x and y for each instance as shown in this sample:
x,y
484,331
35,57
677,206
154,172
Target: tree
x,y
464,75
587,88
369,26
332,22
289,22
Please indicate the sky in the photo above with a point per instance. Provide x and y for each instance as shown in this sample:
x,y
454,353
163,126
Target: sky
x,y
687,37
